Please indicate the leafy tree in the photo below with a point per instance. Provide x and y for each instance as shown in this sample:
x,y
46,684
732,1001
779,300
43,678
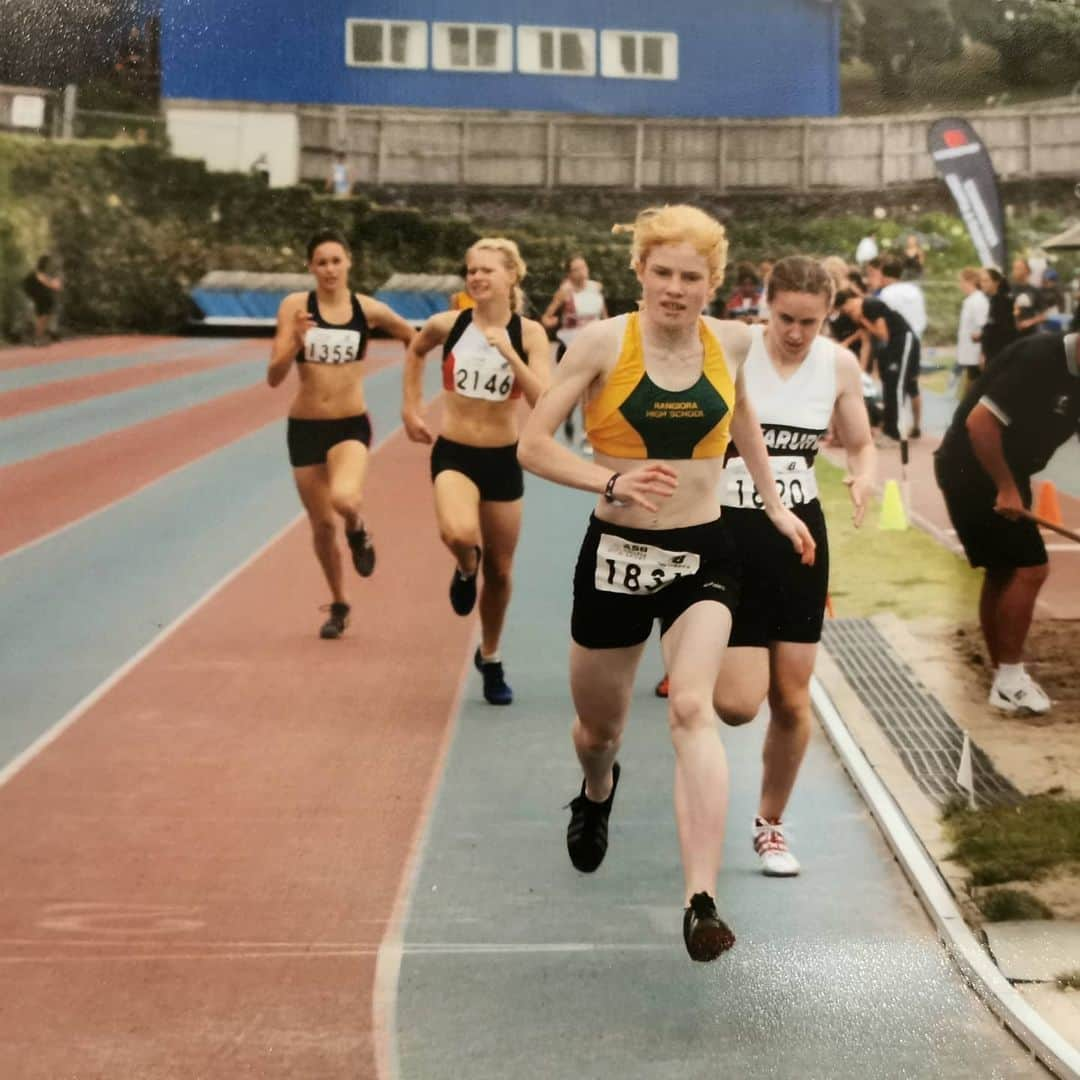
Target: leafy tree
x,y
897,35
1034,39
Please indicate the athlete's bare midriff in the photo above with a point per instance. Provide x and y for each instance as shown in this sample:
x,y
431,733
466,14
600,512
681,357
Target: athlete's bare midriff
x,y
695,501
479,423
328,392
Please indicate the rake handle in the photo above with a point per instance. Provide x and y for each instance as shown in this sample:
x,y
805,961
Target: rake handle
x,y
1051,525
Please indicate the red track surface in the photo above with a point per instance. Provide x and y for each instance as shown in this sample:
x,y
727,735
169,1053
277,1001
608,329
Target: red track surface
x,y
76,349
58,488
68,391
199,871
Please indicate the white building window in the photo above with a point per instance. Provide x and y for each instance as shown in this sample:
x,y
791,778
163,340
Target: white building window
x,y
471,47
639,54
385,43
556,50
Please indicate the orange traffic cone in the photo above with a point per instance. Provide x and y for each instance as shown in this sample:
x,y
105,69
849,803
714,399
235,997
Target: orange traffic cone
x,y
1047,505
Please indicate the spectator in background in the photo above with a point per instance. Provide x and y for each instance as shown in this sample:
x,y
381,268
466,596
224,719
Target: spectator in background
x,y
339,182
43,289
1026,405
867,248
883,277
1028,309
974,312
1053,299
913,259
743,303
999,329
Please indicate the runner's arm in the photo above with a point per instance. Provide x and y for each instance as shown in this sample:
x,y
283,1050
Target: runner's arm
x,y
386,318
541,453
746,432
432,334
293,320
853,426
550,318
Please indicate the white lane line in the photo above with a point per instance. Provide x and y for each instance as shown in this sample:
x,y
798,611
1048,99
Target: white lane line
x,y
95,695
392,947
981,972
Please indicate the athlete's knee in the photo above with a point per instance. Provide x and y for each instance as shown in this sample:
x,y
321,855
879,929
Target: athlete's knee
x,y
789,707
497,572
598,734
323,528
735,718
459,535
688,711
344,501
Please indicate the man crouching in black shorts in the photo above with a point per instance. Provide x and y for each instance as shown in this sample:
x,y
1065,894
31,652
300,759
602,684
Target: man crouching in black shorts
x,y
1007,428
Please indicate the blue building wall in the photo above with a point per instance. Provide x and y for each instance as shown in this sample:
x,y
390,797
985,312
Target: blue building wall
x,y
736,59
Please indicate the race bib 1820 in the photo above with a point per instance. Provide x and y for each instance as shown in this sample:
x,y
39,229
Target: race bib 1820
x,y
624,566
326,345
796,483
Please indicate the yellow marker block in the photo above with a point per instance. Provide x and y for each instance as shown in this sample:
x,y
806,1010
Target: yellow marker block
x,y
892,509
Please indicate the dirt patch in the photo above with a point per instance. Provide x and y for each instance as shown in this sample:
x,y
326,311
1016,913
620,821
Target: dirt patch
x,y
1038,754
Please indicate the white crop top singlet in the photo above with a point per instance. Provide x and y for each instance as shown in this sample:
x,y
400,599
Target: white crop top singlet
x,y
585,305
794,414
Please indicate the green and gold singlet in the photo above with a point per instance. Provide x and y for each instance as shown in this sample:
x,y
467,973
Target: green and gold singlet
x,y
632,417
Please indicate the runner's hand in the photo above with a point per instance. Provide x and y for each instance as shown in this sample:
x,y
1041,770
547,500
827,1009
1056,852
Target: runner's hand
x,y
498,338
638,485
859,490
415,427
302,323
797,532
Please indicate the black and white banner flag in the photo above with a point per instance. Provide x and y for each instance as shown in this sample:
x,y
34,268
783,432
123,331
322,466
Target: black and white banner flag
x,y
964,163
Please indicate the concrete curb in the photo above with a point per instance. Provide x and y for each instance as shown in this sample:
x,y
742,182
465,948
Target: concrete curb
x,y
986,979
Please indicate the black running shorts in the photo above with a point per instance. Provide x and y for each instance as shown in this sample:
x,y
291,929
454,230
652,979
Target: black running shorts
x,y
780,599
493,469
988,538
310,440
626,578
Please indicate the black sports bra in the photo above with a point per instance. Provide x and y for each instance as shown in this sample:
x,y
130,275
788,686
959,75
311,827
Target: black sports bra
x,y
334,343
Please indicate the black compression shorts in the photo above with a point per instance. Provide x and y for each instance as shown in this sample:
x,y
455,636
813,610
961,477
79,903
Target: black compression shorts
x,y
310,440
780,599
493,469
626,578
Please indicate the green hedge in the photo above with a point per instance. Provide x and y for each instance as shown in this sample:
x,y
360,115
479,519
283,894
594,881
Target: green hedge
x,y
134,228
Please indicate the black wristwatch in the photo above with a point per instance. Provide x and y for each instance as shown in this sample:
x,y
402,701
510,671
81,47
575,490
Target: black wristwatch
x,y
609,491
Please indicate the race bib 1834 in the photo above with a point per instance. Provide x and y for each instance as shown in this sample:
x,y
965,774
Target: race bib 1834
x,y
624,566
796,483
327,345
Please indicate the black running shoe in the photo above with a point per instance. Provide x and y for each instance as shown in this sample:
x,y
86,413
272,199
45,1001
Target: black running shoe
x,y
587,834
496,690
363,554
335,625
705,933
463,589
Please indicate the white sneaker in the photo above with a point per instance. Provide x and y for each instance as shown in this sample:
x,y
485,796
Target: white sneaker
x,y
772,850
1026,696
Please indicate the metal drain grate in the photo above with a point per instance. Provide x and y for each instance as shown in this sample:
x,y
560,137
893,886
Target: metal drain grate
x,y
915,723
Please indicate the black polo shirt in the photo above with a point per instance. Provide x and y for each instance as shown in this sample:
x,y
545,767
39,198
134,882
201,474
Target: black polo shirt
x,y
897,325
1033,388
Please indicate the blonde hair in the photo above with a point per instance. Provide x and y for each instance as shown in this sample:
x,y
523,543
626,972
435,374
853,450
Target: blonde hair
x,y
511,260
677,225
972,274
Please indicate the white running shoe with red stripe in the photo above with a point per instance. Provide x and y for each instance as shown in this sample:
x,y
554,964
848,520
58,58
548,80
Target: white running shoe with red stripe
x,y
772,849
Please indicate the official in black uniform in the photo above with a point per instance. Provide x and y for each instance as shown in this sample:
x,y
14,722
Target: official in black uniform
x,y
1007,428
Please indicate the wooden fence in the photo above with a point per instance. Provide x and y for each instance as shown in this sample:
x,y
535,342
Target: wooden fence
x,y
408,146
